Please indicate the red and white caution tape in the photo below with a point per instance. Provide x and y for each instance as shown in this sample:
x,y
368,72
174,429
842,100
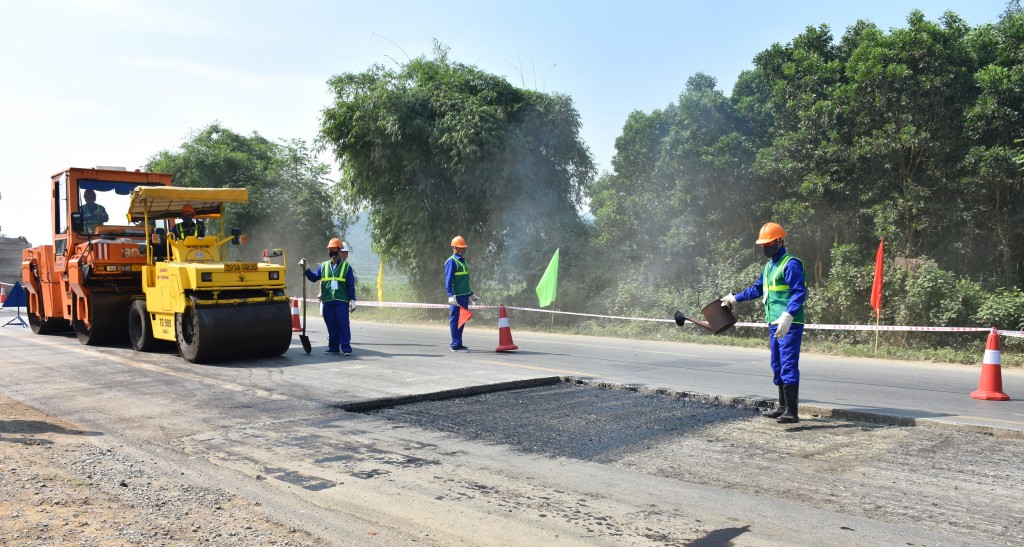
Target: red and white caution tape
x,y
808,326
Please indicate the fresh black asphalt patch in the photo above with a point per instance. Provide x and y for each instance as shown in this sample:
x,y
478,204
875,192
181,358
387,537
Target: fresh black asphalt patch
x,y
565,420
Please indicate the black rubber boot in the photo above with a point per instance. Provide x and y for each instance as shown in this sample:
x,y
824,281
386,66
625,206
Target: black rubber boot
x,y
782,405
790,416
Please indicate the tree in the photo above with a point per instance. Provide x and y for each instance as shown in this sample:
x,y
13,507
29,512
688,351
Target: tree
x,y
435,149
993,124
291,205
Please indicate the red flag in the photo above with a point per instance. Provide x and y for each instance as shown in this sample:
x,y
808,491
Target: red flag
x,y
464,315
876,288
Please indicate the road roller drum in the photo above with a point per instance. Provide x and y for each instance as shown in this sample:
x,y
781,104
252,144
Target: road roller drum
x,y
216,333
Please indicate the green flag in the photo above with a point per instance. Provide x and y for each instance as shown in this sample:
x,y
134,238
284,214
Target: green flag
x,y
548,285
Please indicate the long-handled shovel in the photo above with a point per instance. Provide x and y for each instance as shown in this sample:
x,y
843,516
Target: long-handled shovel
x,y
302,337
680,319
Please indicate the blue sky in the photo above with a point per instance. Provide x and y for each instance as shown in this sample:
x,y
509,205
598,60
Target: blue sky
x,y
112,82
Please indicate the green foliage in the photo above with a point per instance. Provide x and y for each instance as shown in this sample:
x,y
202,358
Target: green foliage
x,y
290,201
936,297
912,134
436,148
1003,309
845,295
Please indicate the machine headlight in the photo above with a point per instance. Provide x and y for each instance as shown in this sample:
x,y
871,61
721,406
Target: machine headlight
x,y
206,277
275,275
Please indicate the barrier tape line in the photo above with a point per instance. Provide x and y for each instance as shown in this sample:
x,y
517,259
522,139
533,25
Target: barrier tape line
x,y
807,326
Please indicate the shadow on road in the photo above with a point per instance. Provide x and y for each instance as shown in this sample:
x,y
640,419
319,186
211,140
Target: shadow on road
x,y
719,538
35,427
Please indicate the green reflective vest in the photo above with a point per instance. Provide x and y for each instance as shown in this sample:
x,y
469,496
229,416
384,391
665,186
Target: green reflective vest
x,y
776,292
460,281
329,272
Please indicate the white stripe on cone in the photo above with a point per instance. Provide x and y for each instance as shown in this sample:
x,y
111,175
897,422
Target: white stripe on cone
x,y
992,357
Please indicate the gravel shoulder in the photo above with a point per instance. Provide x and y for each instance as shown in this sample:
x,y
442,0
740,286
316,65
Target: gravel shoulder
x,y
60,485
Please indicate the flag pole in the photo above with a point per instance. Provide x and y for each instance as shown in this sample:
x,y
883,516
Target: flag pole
x,y
876,333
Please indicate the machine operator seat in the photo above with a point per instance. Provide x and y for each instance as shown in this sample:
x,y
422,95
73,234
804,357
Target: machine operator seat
x,y
159,246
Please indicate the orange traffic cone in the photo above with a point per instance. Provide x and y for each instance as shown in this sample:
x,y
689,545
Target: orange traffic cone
x,y
990,387
296,325
504,332
3,295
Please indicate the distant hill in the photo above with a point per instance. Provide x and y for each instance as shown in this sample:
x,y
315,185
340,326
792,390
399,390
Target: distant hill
x,y
362,258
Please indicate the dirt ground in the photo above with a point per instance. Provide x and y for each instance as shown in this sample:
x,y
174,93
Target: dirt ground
x,y
963,483
58,486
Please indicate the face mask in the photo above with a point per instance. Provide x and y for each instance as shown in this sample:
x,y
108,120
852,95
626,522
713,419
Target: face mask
x,y
332,253
770,250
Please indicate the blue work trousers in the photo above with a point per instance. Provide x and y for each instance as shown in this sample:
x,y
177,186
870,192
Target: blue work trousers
x,y
786,355
338,332
453,320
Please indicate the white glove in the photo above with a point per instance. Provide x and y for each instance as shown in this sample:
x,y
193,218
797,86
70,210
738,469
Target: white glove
x,y
453,301
728,301
476,300
303,263
784,322
351,305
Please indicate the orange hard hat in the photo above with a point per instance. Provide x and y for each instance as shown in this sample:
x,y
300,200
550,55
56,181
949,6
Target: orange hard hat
x,y
188,209
769,233
459,242
335,243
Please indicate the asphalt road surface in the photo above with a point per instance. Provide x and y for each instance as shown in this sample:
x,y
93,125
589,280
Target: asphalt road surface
x,y
647,463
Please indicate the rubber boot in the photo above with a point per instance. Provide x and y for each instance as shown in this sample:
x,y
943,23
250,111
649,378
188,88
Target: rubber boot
x,y
792,400
782,405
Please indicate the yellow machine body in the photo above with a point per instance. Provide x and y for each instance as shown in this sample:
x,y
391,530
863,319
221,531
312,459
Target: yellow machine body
x,y
212,308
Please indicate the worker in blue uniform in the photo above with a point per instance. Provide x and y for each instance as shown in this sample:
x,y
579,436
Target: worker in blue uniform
x,y
460,293
337,295
782,289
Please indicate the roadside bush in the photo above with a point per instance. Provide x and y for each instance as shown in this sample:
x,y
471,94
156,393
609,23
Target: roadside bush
x,y
935,297
1003,309
845,297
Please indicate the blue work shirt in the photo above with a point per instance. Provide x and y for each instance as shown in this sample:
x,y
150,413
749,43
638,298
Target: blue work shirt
x,y
450,267
350,279
794,276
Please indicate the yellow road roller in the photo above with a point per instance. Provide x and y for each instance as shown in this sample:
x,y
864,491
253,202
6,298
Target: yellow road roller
x,y
212,308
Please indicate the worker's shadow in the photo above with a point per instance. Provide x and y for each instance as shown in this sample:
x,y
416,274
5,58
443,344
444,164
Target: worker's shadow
x,y
25,429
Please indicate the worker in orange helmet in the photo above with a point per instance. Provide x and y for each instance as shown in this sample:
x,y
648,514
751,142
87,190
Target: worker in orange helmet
x,y
782,289
337,295
187,226
456,283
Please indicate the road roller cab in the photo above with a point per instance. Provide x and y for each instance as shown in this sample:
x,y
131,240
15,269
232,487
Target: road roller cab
x,y
86,279
211,307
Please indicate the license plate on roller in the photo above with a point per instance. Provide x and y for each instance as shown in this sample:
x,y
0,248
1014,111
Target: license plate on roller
x,y
241,267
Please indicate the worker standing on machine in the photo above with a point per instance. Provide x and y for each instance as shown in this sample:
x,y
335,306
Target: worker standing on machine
x,y
456,283
187,226
337,295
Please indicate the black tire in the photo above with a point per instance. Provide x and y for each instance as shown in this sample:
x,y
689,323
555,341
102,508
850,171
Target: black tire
x,y
109,321
140,329
188,331
45,326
